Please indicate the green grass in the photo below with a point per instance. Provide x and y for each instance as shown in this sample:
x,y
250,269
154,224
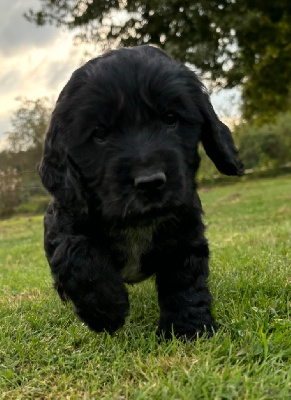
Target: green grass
x,y
46,353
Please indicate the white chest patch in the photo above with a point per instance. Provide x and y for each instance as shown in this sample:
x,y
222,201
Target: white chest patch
x,y
134,243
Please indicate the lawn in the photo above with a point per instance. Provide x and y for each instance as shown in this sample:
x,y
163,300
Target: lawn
x,y
46,353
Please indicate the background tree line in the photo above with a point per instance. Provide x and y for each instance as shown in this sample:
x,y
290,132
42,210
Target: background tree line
x,y
20,187
266,146
233,43
230,43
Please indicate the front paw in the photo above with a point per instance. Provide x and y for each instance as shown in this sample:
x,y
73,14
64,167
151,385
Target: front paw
x,y
103,309
187,324
100,320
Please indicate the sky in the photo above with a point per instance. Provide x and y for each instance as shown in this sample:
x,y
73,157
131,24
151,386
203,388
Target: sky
x,y
38,61
35,61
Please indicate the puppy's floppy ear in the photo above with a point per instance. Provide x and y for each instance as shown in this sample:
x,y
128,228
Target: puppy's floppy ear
x,y
218,143
56,170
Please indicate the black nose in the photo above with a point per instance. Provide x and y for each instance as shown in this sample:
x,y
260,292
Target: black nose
x,y
150,183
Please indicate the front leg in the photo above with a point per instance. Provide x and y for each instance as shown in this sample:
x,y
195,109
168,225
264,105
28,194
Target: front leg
x,y
184,298
83,272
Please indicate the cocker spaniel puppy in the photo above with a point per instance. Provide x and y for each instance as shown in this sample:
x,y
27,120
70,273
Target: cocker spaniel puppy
x,y
120,160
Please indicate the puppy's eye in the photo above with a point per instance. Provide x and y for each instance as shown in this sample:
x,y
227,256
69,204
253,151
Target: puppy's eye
x,y
170,119
99,134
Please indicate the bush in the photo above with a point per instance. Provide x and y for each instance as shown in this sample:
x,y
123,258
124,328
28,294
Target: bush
x,y
268,145
21,193
9,191
35,205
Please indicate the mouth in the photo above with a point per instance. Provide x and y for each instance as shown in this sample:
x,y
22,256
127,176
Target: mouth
x,y
136,206
146,218
143,212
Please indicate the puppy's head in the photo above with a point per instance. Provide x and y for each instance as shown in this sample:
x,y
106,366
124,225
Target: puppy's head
x,y
124,136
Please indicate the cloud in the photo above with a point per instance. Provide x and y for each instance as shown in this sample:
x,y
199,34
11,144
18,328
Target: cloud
x,y
16,33
59,71
9,81
39,72
35,62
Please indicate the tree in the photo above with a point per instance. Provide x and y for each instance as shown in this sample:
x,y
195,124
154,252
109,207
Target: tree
x,y
25,141
232,42
18,177
29,124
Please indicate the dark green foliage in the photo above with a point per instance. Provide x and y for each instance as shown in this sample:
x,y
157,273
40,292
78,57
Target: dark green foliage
x,y
232,42
268,145
265,148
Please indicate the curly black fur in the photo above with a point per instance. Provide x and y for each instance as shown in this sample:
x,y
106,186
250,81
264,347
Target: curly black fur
x,y
120,160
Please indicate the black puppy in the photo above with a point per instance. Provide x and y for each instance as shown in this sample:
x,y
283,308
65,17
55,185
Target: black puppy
x,y
120,160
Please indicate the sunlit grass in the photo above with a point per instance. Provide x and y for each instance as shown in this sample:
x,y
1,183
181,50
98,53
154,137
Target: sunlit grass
x,y
46,353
